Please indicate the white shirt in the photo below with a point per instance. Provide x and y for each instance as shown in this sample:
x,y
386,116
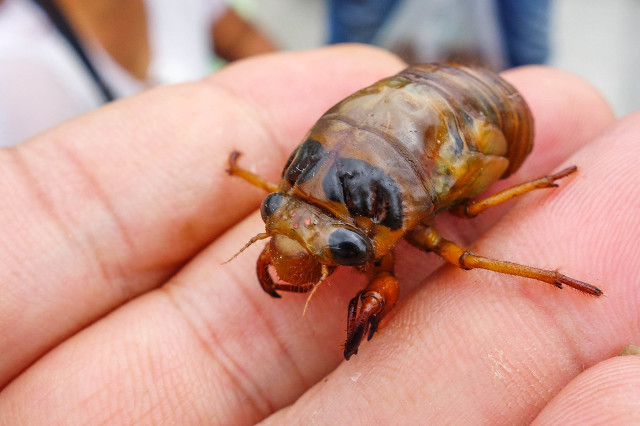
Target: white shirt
x,y
43,82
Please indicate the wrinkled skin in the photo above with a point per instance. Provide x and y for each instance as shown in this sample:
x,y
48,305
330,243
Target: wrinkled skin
x,y
116,307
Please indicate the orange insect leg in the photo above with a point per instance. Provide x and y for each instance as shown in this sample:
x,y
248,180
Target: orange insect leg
x,y
367,309
252,178
472,208
428,239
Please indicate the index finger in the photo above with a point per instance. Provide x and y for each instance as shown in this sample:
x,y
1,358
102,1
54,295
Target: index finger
x,y
109,205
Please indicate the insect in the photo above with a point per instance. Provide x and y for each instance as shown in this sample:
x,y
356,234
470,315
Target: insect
x,y
379,166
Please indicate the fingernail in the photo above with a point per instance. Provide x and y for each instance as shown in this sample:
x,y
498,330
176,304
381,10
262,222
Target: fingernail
x,y
630,350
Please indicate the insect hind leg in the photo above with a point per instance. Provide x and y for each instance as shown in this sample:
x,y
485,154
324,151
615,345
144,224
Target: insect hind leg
x,y
428,239
472,208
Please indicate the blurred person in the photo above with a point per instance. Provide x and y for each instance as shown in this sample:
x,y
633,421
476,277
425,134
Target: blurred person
x,y
497,34
356,21
61,58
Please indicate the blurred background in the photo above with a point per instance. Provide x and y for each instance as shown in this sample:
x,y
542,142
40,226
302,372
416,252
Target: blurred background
x,y
61,58
598,40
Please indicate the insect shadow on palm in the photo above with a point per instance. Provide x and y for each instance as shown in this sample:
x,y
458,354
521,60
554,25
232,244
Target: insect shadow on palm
x,y
381,165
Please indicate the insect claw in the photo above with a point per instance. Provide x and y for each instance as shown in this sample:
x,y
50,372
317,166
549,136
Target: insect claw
x,y
373,326
564,173
367,309
362,319
352,343
233,160
578,285
349,354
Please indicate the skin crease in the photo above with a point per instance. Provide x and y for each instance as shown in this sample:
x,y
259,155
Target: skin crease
x,y
116,307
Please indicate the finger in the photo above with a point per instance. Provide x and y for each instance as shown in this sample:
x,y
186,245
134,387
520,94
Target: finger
x,y
487,348
206,346
210,333
106,207
608,392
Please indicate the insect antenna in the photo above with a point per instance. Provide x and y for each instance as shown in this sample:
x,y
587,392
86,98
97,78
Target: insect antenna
x,y
325,273
258,237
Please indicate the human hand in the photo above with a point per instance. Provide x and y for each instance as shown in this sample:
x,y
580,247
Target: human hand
x,y
116,307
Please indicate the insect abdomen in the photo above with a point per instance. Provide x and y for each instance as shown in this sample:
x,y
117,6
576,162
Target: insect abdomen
x,y
483,96
424,139
459,128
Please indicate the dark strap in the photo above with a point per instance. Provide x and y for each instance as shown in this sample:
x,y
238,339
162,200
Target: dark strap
x,y
64,28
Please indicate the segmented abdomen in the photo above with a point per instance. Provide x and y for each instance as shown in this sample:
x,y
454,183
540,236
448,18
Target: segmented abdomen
x,y
485,97
413,144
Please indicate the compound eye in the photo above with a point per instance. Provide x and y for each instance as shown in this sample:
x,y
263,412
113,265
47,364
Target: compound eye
x,y
349,248
270,204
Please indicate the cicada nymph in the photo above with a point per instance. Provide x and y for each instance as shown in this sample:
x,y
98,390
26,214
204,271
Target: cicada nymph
x,y
379,166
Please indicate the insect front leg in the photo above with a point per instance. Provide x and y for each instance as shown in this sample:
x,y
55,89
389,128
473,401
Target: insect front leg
x,y
252,178
428,239
370,305
267,283
473,207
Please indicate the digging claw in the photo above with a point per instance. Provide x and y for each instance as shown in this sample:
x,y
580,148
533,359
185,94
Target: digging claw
x,y
361,320
373,326
273,293
367,309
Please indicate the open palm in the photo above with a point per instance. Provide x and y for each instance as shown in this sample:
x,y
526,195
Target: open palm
x,y
116,306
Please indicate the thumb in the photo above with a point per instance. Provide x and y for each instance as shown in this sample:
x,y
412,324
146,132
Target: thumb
x,y
608,391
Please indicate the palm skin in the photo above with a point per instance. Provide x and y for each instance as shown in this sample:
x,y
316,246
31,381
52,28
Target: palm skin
x,y
117,308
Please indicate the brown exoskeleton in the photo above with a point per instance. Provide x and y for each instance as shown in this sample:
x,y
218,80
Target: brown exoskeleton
x,y
379,166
